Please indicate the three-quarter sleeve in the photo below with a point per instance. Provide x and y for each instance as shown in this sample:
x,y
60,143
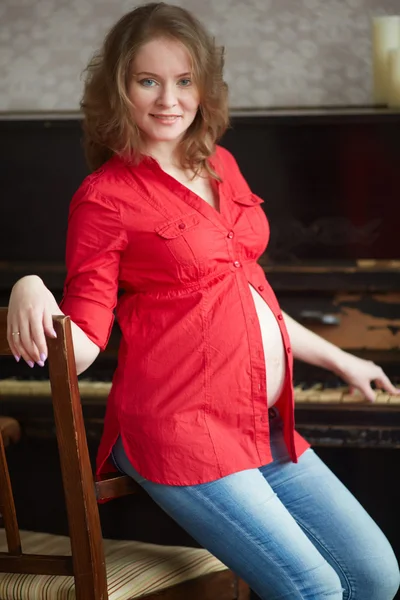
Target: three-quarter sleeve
x,y
95,242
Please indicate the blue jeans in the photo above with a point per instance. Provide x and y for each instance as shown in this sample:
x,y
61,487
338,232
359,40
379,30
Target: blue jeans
x,y
291,531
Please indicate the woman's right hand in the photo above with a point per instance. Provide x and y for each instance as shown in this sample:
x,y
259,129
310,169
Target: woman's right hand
x,y
30,311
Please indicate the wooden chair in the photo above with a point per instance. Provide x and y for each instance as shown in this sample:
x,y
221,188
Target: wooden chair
x,y
93,569
10,432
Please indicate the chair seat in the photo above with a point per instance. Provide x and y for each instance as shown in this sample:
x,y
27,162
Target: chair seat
x,y
134,569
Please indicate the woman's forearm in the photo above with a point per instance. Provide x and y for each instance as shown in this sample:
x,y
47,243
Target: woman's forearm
x,y
312,348
85,350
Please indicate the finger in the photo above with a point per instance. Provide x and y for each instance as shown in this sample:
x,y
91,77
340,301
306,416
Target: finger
x,y
12,328
36,350
48,324
18,347
356,391
25,345
39,341
368,392
12,332
385,384
37,337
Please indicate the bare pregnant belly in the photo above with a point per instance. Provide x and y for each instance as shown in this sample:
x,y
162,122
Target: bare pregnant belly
x,y
274,352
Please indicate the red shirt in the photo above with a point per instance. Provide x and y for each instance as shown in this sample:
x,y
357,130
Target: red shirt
x,y
189,392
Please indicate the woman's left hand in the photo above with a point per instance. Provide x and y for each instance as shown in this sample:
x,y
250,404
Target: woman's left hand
x,y
359,373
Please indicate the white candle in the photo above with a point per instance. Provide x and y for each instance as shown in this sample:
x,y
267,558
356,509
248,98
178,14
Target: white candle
x,y
385,37
394,78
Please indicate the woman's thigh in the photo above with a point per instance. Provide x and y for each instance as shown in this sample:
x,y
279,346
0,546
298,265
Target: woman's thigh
x,y
240,519
335,522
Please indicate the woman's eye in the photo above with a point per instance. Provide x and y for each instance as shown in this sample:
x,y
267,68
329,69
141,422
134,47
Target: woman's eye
x,y
148,82
185,82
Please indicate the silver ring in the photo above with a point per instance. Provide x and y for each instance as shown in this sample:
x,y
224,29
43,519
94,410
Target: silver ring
x,y
15,333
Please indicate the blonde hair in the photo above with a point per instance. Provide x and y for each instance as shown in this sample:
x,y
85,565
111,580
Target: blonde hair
x,y
107,122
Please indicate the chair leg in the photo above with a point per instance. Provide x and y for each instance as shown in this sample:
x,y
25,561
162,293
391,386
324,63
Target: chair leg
x,y
242,590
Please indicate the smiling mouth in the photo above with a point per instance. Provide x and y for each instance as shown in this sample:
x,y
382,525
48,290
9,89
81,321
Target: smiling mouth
x,y
169,117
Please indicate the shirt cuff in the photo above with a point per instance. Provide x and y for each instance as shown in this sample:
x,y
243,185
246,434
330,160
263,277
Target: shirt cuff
x,y
95,320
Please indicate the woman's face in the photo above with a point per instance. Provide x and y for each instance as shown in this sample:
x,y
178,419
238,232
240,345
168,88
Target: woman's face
x,y
165,99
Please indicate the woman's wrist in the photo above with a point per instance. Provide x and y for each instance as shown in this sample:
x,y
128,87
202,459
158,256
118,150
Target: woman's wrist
x,y
335,360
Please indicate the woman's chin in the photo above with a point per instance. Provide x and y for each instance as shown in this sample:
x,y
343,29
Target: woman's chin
x,y
166,136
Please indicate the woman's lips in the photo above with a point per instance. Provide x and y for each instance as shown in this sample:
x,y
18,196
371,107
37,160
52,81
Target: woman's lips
x,y
166,119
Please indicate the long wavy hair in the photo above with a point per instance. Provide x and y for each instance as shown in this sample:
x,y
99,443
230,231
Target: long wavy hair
x,y
107,121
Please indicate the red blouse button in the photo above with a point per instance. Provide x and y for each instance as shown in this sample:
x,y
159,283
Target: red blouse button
x,y
261,287
181,225
230,235
236,263
280,317
289,350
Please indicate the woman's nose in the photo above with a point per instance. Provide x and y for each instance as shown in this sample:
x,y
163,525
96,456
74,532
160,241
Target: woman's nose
x,y
167,96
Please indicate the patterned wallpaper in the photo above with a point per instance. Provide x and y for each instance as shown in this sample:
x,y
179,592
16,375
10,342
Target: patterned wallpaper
x,y
280,53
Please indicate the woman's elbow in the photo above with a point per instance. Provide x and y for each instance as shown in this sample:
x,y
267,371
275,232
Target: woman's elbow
x,y
84,360
85,350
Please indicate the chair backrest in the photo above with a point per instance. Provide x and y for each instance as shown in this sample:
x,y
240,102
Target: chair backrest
x,y
87,563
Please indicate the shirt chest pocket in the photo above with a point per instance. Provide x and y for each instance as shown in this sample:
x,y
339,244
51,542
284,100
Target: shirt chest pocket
x,y
253,221
179,238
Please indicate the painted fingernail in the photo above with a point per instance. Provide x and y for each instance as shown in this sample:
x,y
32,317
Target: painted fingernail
x,y
54,334
17,358
43,357
30,363
40,363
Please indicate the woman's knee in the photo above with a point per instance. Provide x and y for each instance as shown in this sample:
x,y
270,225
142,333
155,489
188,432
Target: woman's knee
x,y
377,578
384,577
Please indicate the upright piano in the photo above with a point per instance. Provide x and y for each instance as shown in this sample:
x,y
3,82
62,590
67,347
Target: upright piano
x,y
331,184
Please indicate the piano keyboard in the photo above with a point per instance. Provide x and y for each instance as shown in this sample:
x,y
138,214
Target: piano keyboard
x,y
18,387
340,395
97,390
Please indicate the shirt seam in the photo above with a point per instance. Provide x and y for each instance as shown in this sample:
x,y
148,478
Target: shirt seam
x,y
190,287
207,386
117,208
149,198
